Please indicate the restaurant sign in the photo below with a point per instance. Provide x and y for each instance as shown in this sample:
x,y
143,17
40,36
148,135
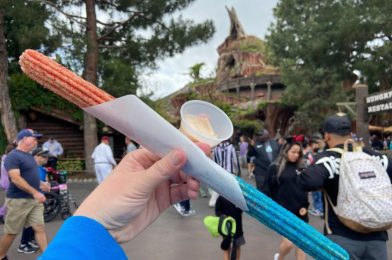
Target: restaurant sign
x,y
379,102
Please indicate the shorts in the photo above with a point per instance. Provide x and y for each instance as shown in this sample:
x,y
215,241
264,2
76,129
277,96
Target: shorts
x,y
239,241
251,159
22,213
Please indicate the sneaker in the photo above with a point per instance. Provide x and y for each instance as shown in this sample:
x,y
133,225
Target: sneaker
x,y
179,208
33,244
315,212
276,256
191,212
26,249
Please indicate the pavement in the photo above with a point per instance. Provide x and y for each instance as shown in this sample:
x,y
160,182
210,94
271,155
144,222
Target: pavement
x,y
173,237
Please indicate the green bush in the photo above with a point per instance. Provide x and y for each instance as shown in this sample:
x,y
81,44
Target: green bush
x,y
71,165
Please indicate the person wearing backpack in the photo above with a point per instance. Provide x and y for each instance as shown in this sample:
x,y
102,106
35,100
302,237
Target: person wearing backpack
x,y
362,167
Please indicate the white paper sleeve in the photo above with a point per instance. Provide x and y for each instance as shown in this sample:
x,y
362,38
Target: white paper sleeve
x,y
133,118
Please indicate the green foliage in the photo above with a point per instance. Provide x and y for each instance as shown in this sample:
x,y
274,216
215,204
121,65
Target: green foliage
x,y
119,78
201,82
71,165
227,108
194,71
135,35
26,93
249,126
318,44
25,27
252,44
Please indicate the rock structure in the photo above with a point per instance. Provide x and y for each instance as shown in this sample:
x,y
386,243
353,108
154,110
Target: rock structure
x,y
243,80
241,55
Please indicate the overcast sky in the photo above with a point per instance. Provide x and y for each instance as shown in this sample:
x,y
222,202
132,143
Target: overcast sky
x,y
255,16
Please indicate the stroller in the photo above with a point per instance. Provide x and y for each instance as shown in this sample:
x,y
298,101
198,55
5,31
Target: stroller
x,y
59,199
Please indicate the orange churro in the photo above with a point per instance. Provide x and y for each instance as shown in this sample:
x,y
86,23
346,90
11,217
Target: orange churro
x,y
61,81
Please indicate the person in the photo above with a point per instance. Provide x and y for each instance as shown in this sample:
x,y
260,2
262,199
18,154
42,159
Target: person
x,y
141,187
223,207
130,145
224,154
28,244
324,174
310,151
282,178
377,144
243,151
250,160
55,150
265,151
103,159
184,208
4,179
24,201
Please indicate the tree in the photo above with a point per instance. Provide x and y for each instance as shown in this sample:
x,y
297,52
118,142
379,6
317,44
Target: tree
x,y
135,35
319,44
22,26
7,115
194,71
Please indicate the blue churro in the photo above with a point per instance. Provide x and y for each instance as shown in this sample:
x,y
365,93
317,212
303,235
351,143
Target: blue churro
x,y
272,215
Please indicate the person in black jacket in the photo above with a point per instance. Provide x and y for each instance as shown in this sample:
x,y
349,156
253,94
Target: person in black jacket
x,y
226,208
282,177
324,174
265,150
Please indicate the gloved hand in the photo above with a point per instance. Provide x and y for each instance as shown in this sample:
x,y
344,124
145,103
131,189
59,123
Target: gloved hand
x,y
138,190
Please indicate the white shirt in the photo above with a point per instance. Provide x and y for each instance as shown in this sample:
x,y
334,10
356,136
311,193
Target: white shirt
x,y
103,154
54,147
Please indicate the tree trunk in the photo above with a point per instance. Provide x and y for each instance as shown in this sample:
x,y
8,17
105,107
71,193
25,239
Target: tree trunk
x,y
90,74
7,115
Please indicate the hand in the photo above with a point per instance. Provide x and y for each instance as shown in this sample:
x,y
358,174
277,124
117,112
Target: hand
x,y
44,186
38,196
139,189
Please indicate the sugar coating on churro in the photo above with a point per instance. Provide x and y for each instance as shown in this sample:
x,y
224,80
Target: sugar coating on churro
x,y
60,80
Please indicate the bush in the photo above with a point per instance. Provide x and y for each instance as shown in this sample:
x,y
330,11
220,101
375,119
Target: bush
x,y
71,165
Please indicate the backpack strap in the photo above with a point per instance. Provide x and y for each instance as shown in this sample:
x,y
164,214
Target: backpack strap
x,y
326,200
337,150
356,147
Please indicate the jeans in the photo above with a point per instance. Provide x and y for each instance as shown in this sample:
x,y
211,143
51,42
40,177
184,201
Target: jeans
x,y
186,205
27,235
369,250
318,200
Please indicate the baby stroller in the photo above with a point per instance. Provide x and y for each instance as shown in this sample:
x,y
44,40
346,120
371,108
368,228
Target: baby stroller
x,y
59,199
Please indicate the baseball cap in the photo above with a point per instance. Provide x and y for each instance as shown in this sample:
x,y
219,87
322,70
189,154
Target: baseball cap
x,y
105,138
337,124
27,133
262,132
41,152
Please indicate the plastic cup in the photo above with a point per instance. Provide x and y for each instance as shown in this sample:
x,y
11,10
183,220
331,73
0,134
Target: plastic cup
x,y
219,121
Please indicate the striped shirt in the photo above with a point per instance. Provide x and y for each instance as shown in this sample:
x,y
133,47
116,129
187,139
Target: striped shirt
x,y
225,155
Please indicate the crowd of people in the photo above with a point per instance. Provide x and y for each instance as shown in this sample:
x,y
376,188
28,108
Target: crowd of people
x,y
297,172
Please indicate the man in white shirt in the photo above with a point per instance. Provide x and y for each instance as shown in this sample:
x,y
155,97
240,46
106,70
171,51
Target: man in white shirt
x,y
130,145
55,150
103,159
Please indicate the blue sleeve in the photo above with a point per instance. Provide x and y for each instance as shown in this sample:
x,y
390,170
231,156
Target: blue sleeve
x,y
42,173
83,238
11,162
